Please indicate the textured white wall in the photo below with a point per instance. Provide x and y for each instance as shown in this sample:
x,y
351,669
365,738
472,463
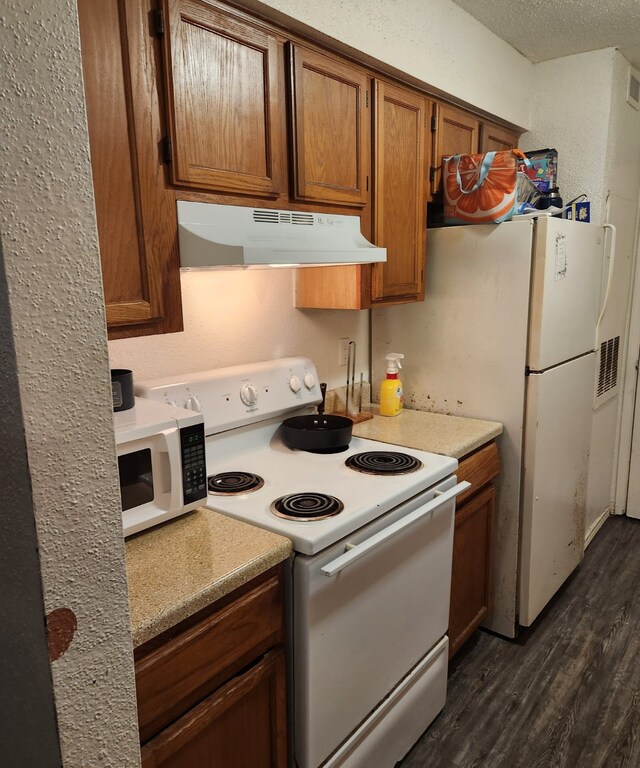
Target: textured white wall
x,y
570,110
242,316
623,146
436,42
622,182
49,244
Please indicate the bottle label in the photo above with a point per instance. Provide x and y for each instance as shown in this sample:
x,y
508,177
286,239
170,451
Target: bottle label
x,y
391,400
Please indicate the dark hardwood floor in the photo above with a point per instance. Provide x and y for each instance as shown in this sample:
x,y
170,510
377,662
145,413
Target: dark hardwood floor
x,y
566,693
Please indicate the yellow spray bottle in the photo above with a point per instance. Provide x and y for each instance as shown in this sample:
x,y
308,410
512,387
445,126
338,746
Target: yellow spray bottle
x,y
391,395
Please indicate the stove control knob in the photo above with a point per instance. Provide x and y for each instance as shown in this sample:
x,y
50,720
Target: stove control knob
x,y
294,384
309,381
193,404
248,394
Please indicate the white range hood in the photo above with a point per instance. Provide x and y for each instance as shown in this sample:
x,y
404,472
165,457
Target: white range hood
x,y
217,236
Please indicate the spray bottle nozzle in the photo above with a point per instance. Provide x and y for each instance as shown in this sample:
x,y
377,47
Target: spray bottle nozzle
x,y
393,362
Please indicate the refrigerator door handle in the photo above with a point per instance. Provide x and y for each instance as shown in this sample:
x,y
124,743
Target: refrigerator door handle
x,y
612,257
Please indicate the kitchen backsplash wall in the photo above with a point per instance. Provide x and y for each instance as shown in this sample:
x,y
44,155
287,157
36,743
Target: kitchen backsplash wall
x,y
242,316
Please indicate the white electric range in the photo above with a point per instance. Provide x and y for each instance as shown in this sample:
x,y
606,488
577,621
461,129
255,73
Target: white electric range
x,y
372,529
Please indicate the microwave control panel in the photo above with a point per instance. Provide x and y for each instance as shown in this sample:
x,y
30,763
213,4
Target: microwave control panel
x,y
194,469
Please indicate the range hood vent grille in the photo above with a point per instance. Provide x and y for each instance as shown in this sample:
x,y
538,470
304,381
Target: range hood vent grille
x,y
262,216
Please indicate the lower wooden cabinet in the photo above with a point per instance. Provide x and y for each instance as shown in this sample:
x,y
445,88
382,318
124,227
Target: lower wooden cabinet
x,y
472,546
242,725
471,575
212,691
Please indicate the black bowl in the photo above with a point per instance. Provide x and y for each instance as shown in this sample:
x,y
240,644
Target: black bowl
x,y
317,432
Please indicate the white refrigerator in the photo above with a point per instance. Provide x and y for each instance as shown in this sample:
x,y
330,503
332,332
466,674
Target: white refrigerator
x,y
507,333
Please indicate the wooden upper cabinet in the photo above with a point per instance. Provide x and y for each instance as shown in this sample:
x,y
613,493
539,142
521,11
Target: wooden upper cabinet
x,y
399,192
330,129
456,132
224,108
135,212
495,137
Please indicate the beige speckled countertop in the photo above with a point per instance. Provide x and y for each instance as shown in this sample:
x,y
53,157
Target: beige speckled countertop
x,y
180,567
450,435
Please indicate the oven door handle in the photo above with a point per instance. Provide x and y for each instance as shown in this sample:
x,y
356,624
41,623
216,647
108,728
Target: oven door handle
x,y
356,551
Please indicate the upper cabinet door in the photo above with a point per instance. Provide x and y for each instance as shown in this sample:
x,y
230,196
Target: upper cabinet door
x,y
223,101
400,200
330,129
456,133
135,212
497,138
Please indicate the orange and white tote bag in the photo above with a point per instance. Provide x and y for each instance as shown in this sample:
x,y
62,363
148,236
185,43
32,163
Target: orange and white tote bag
x,y
480,189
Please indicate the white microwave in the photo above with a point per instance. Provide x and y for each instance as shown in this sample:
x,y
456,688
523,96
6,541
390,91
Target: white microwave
x,y
161,463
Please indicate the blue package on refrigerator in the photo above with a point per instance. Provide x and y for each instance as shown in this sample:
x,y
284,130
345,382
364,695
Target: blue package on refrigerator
x,y
579,212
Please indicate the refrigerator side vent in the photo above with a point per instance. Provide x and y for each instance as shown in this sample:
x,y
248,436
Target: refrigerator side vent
x,y
607,368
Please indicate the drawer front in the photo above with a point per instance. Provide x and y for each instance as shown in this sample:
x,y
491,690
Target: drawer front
x,y
185,669
478,469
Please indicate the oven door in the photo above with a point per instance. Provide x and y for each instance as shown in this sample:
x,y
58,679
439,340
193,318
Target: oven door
x,y
365,612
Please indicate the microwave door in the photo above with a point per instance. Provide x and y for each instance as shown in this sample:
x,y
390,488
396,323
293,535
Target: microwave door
x,y
136,479
150,480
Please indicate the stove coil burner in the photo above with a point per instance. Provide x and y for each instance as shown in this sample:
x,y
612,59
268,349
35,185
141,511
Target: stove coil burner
x,y
383,463
307,507
234,483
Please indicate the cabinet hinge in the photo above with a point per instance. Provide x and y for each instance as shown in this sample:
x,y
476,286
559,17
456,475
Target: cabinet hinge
x,y
366,98
433,123
367,189
166,150
158,22
432,172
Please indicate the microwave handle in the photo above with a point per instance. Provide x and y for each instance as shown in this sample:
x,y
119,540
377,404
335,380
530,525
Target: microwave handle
x,y
356,551
170,436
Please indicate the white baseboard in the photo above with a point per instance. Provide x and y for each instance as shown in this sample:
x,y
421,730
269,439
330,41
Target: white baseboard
x,y
596,525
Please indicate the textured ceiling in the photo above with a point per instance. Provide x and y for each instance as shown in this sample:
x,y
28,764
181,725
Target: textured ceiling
x,y
548,29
